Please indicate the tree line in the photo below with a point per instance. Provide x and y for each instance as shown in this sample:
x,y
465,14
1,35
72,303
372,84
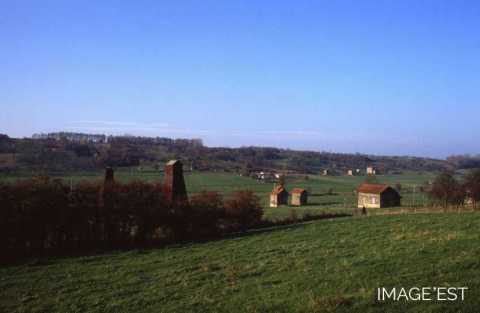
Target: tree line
x,y
44,216
62,154
447,190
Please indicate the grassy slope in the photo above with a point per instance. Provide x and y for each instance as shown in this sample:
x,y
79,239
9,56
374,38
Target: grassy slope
x,y
322,266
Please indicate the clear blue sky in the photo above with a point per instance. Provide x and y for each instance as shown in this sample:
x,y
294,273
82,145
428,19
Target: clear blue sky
x,y
380,77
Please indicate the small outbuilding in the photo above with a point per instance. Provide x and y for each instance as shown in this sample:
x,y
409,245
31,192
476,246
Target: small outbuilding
x,y
376,196
278,196
299,196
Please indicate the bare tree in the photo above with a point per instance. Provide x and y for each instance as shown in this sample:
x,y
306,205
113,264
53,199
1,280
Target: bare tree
x,y
472,185
447,189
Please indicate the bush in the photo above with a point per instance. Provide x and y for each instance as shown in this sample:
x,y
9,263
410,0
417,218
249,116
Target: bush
x,y
84,219
243,210
207,213
43,216
138,210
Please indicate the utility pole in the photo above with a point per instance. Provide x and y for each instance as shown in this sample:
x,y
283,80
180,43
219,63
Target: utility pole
x,y
413,198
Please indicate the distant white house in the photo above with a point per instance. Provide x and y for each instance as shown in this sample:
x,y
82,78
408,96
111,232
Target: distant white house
x,y
266,175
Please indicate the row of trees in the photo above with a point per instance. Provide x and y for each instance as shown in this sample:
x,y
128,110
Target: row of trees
x,y
52,154
447,190
45,216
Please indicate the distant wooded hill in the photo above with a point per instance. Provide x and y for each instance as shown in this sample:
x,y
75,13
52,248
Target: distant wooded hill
x,y
60,153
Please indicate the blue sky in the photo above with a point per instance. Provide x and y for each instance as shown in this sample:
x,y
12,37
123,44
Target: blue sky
x,y
379,77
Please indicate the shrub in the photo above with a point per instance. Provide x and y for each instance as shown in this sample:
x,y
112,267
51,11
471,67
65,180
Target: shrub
x,y
84,219
243,210
139,209
42,215
207,212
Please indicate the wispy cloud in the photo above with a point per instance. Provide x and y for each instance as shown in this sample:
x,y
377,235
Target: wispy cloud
x,y
162,128
117,124
293,132
277,133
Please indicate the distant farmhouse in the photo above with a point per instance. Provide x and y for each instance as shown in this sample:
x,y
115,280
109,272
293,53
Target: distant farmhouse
x,y
266,176
299,197
279,196
377,196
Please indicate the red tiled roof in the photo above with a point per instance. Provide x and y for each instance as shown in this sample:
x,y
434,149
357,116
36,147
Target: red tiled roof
x,y
277,190
298,190
372,188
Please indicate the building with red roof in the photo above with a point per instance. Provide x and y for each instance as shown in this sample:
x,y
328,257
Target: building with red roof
x,y
278,196
299,196
375,196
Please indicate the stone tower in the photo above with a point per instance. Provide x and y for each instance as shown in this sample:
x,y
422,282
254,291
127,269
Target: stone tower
x,y
107,190
174,182
108,176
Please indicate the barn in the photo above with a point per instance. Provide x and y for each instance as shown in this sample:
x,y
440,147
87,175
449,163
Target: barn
x,y
278,196
299,196
377,196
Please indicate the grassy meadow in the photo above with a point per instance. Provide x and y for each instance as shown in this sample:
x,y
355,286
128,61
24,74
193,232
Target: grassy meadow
x,y
342,199
323,266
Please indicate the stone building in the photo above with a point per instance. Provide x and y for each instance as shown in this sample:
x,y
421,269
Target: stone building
x,y
109,178
375,196
278,196
299,197
108,189
174,183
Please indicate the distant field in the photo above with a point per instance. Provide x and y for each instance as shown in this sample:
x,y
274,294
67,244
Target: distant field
x,y
324,266
341,201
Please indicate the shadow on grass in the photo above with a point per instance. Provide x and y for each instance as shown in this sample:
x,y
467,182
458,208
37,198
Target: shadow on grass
x,y
320,203
265,226
324,194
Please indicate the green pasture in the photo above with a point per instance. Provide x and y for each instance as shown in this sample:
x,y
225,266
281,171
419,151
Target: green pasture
x,y
323,266
341,199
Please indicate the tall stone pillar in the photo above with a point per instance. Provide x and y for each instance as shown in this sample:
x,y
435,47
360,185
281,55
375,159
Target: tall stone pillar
x,y
174,182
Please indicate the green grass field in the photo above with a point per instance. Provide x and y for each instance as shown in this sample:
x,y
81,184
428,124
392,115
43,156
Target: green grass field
x,y
323,266
341,201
